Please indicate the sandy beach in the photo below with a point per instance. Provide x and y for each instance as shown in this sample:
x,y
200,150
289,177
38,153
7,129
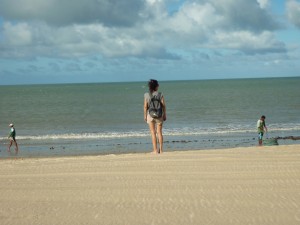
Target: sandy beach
x,y
255,185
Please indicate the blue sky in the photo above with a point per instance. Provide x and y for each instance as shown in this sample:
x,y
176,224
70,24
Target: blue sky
x,y
64,41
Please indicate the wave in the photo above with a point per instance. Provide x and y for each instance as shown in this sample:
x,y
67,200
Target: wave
x,y
184,131
74,136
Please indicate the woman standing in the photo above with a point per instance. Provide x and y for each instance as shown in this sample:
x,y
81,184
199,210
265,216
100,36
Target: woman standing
x,y
155,122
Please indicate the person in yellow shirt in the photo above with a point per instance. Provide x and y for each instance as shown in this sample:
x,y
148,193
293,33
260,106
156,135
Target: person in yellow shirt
x,y
261,128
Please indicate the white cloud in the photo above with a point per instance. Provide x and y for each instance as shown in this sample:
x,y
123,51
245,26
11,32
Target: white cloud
x,y
66,12
152,2
205,25
150,31
248,43
17,35
263,3
293,12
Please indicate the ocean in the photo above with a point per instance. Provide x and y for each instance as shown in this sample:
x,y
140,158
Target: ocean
x,y
107,118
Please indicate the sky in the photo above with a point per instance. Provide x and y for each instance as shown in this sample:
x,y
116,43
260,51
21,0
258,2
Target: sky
x,y
84,41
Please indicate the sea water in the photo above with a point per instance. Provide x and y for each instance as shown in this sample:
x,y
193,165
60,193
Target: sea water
x,y
107,118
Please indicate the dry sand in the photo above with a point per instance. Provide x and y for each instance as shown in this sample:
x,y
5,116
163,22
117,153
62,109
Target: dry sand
x,y
233,186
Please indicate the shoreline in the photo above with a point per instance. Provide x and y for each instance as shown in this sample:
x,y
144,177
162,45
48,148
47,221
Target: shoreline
x,y
243,185
4,155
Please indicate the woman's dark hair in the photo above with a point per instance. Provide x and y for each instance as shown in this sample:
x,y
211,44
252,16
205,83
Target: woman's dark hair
x,y
152,84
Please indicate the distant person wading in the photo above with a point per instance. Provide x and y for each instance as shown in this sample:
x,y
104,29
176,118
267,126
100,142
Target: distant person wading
x,y
12,138
261,128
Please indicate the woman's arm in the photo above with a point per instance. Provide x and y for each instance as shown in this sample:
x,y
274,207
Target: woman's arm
x,y
145,109
164,108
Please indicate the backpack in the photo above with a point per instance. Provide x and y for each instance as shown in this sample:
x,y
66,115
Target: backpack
x,y
155,106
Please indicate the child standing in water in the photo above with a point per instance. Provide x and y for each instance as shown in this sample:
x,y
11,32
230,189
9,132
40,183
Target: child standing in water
x,y
261,128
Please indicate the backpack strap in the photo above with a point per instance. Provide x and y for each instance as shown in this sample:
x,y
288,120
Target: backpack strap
x,y
157,96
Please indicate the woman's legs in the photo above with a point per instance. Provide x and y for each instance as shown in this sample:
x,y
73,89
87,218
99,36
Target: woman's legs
x,y
160,137
156,129
153,136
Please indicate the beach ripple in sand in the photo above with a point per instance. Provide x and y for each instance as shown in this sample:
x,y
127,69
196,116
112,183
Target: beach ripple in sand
x,y
234,186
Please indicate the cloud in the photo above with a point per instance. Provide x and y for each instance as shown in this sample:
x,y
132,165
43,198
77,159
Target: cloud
x,y
66,12
143,29
219,24
293,12
248,43
73,67
54,67
241,14
17,35
263,3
